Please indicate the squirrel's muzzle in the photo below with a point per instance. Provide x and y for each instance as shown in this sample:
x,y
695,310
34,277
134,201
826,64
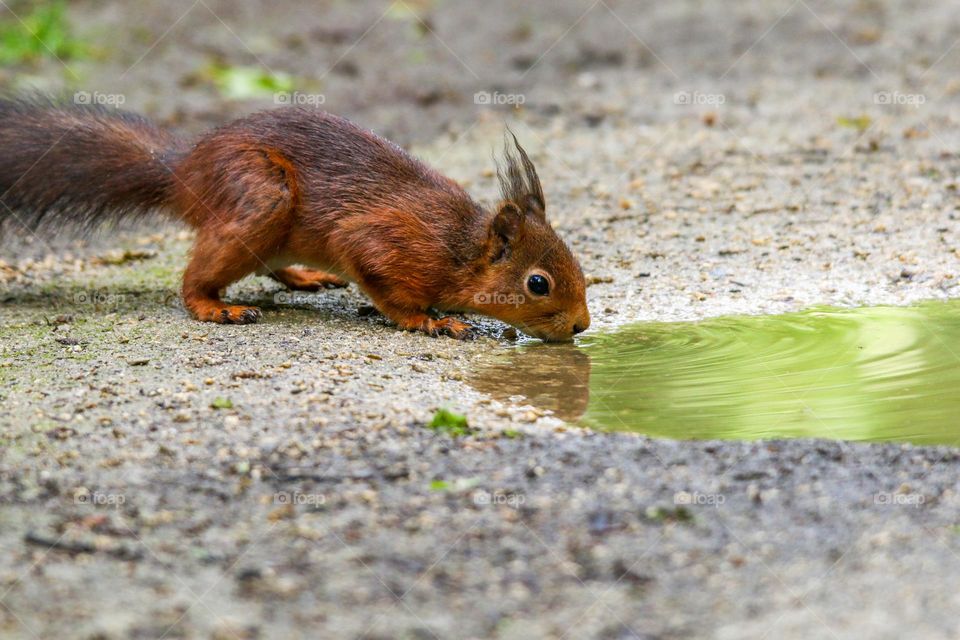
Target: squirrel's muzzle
x,y
562,327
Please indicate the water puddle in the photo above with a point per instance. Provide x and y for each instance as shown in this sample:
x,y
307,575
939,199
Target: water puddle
x,y
875,373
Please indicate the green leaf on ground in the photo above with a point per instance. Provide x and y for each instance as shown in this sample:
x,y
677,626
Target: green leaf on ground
x,y
451,423
860,123
456,485
666,514
245,83
221,403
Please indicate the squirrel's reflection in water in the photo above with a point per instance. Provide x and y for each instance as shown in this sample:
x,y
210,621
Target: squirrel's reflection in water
x,y
548,376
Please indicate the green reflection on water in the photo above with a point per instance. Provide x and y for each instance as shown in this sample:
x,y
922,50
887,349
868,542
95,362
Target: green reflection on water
x,y
877,373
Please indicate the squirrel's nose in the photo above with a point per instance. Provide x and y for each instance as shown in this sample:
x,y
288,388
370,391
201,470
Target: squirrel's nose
x,y
582,324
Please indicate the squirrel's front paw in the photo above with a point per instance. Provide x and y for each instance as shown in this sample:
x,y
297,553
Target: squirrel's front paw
x,y
436,327
451,327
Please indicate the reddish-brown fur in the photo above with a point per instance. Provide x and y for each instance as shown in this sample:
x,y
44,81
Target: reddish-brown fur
x,y
300,186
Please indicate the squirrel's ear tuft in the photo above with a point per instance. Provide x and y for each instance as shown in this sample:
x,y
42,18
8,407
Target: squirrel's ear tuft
x,y
519,182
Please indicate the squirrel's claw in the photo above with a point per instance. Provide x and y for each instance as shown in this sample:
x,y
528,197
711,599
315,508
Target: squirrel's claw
x,y
250,316
237,314
212,310
452,327
468,333
446,326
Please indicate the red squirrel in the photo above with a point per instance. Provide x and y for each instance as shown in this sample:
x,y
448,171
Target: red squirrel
x,y
299,186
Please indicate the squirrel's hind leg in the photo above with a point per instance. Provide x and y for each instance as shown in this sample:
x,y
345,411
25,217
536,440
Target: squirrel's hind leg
x,y
216,263
242,222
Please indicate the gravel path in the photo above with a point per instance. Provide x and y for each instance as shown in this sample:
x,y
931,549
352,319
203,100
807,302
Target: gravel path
x,y
161,478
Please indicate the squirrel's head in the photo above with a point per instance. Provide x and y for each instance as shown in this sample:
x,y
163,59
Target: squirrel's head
x,y
530,278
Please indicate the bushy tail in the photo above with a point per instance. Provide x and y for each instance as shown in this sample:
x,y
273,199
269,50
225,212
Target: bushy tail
x,y
78,165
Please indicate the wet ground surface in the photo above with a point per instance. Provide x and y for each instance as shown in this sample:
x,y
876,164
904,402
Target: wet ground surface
x,y
162,478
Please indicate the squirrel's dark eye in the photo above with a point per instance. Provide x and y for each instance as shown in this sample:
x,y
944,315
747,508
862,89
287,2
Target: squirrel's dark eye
x,y
538,285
